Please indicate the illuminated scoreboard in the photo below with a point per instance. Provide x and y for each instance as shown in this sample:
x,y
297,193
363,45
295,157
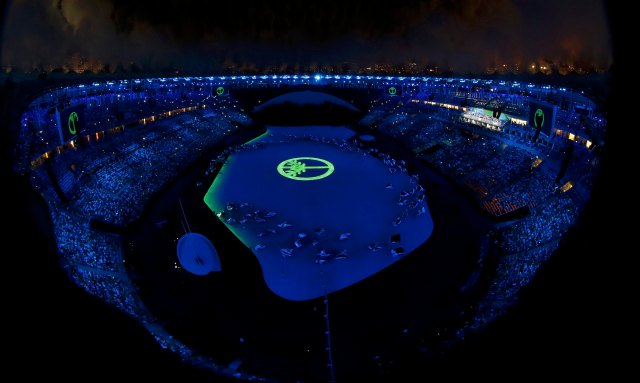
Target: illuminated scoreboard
x,y
542,117
71,123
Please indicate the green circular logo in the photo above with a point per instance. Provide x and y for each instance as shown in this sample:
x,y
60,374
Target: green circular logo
x,y
71,122
392,90
219,91
312,167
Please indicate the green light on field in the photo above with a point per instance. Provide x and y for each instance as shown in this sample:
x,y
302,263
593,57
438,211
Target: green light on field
x,y
392,90
220,91
294,167
71,123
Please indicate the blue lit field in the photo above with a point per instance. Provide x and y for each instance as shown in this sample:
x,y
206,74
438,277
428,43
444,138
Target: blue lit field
x,y
319,231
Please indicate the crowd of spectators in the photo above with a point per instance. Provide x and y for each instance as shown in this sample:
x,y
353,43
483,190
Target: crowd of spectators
x,y
501,175
117,177
498,172
548,221
113,178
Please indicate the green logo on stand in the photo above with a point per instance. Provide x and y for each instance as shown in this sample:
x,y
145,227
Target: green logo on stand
x,y
71,123
219,91
393,90
538,118
313,168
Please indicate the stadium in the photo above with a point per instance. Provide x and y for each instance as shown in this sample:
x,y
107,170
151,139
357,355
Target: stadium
x,y
327,208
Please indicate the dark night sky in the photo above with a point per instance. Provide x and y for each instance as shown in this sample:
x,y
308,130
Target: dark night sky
x,y
465,35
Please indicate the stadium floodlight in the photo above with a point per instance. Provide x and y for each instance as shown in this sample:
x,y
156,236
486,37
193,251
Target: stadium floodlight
x,y
317,77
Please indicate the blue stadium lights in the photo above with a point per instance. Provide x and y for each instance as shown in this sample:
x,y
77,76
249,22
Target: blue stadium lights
x,y
317,77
